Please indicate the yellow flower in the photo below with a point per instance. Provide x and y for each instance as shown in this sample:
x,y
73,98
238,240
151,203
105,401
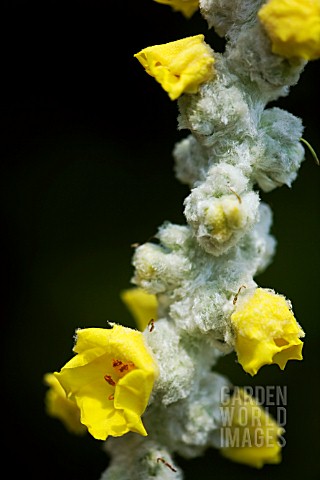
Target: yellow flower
x,y
293,27
266,331
187,7
59,406
249,431
180,66
142,305
110,379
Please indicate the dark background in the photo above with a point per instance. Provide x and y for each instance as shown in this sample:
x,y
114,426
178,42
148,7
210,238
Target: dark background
x,y
87,170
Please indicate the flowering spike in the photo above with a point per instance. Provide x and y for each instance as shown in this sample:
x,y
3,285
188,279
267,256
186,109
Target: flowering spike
x,y
200,276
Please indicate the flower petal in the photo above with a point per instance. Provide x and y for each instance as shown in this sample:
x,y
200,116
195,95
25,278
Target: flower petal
x,y
180,66
110,379
98,412
59,406
250,434
266,331
186,7
141,304
293,27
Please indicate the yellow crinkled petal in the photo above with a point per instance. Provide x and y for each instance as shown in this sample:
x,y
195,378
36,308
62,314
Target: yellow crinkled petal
x,y
253,457
110,379
251,432
133,391
98,412
293,27
180,66
118,340
266,331
142,305
186,7
59,406
132,395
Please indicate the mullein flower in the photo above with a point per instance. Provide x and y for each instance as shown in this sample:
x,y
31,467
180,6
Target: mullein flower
x,y
197,281
180,66
59,406
141,304
186,7
266,331
249,434
293,27
110,380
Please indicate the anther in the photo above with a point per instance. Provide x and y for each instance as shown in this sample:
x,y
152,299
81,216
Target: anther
x,y
109,380
121,367
116,363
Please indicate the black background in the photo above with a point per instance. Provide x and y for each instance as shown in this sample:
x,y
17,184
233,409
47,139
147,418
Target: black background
x,y
87,170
